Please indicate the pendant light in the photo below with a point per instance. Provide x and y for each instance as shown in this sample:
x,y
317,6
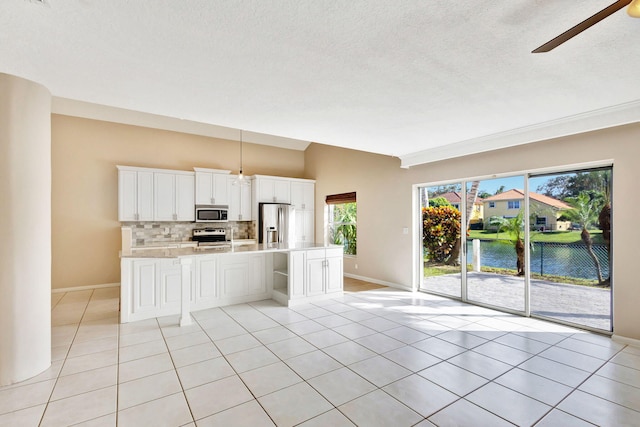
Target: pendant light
x,y
634,9
240,175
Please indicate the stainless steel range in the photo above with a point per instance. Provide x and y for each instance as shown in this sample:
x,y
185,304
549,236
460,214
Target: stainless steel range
x,y
210,237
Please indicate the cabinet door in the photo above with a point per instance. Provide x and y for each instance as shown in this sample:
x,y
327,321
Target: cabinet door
x,y
315,271
304,226
302,195
234,276
235,198
204,188
164,197
206,290
170,285
257,276
282,191
296,274
185,204
334,273
127,195
144,195
220,189
245,202
145,296
266,190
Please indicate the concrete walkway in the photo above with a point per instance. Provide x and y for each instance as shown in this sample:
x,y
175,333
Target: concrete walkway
x,y
581,305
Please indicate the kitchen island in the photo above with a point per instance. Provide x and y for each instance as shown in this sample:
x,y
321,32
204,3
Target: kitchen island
x,y
168,281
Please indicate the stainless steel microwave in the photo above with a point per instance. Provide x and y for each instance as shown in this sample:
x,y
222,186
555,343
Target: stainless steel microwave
x,y
212,213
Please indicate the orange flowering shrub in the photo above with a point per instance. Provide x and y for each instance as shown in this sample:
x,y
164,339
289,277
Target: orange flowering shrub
x,y
440,231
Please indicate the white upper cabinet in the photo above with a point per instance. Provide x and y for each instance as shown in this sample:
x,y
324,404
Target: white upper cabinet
x,y
173,196
155,194
212,187
185,204
239,199
272,189
302,195
135,195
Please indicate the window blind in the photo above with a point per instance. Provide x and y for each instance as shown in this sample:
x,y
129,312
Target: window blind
x,y
335,199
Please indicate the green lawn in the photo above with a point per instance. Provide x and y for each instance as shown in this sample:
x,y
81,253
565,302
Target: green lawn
x,y
431,270
549,237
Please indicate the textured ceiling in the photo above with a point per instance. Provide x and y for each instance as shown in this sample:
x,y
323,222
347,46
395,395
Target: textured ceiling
x,y
391,77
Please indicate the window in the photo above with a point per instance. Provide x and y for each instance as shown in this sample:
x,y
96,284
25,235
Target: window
x,y
341,221
514,204
541,220
492,204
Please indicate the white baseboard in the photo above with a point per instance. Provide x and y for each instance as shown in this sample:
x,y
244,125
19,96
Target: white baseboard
x,y
85,288
378,282
625,340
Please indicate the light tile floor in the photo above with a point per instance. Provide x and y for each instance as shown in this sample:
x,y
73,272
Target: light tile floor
x,y
381,357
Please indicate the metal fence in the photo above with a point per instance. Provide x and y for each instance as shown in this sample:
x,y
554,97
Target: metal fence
x,y
559,259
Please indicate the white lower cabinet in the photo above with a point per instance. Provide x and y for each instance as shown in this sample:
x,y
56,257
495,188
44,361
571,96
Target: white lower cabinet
x,y
242,276
204,289
307,274
170,286
334,270
315,273
144,293
152,287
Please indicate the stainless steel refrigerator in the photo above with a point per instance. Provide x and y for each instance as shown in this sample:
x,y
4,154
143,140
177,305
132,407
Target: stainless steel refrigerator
x,y
276,223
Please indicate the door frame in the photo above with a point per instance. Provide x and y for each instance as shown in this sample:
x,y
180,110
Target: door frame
x,y
418,271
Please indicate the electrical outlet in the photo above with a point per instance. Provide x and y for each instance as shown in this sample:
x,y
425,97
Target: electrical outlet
x,y
405,230
356,266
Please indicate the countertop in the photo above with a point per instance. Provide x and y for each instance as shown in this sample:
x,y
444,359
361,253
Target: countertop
x,y
215,250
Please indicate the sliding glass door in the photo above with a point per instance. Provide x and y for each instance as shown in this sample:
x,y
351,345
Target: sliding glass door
x,y
571,247
495,243
441,239
535,244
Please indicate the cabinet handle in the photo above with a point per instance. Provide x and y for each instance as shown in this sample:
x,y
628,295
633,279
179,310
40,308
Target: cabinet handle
x,y
275,199
303,206
137,216
213,200
240,217
175,217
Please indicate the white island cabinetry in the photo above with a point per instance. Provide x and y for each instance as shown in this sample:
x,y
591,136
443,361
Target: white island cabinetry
x,y
307,275
152,281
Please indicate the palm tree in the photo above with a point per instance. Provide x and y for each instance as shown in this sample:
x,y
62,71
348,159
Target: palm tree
x,y
584,212
515,228
604,221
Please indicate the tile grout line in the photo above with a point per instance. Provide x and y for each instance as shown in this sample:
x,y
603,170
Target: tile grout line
x,y
66,356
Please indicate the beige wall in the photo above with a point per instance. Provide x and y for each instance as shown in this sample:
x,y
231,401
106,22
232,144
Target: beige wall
x,y
384,194
85,227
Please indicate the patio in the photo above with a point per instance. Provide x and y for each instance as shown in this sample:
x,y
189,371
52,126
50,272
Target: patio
x,y
581,305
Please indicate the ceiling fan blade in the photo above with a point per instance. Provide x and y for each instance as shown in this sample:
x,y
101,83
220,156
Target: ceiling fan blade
x,y
574,31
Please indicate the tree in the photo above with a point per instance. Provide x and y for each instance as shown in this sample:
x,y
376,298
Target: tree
x,y
439,201
437,190
604,220
500,190
441,233
515,228
571,185
584,212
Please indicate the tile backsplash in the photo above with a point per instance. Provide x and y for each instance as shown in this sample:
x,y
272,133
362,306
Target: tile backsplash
x,y
145,233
